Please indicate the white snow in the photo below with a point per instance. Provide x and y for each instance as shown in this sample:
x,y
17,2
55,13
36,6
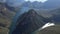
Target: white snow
x,y
44,26
37,0
47,25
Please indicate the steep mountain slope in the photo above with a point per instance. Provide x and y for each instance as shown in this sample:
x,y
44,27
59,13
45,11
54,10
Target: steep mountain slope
x,y
5,15
5,18
29,22
50,30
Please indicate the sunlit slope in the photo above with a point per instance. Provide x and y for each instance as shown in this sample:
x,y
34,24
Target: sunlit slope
x,y
50,30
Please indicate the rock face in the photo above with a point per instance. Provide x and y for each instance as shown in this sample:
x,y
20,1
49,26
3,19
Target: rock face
x,y
29,22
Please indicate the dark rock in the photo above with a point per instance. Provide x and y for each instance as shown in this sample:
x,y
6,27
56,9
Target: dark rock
x,y
29,22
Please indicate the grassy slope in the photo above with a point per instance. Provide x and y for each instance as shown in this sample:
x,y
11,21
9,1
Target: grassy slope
x,y
5,18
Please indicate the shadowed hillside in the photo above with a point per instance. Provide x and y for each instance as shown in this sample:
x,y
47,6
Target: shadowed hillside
x,y
29,22
5,18
5,14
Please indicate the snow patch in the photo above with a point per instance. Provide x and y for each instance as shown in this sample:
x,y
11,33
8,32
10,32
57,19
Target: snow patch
x,y
37,0
47,25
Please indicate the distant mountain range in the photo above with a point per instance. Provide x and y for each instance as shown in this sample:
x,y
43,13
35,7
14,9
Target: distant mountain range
x,y
50,4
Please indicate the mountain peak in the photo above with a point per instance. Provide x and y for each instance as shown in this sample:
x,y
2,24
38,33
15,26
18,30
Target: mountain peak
x,y
32,12
29,22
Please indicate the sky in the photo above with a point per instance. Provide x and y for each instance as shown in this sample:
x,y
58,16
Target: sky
x,y
37,0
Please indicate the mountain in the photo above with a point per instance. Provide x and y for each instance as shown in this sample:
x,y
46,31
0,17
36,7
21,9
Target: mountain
x,y
5,15
55,15
35,4
50,4
29,22
50,30
5,18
